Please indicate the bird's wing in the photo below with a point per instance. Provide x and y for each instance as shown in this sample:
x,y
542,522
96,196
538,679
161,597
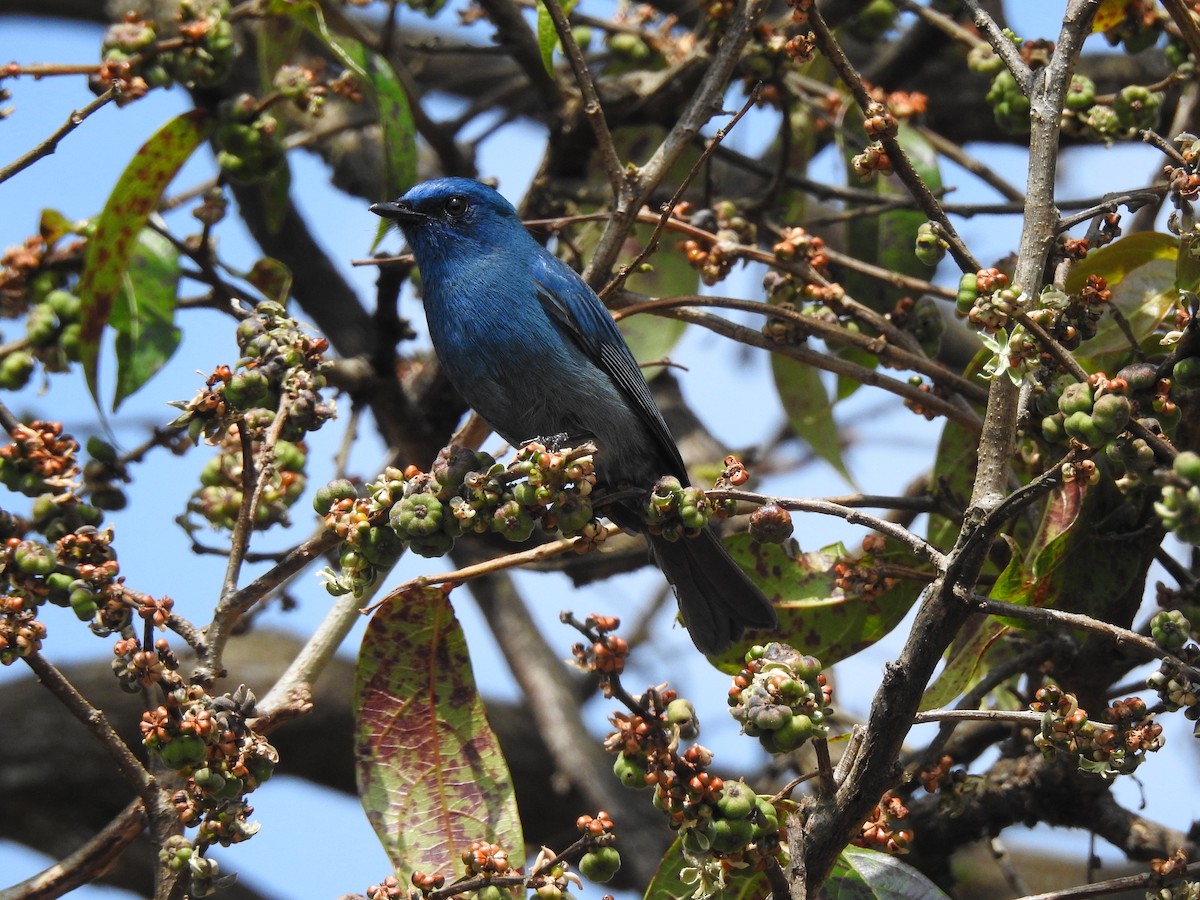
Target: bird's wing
x,y
579,312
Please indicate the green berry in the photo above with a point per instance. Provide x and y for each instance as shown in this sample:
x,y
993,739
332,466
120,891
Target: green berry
x,y
1081,426
334,492
66,306
630,770
83,604
1081,93
247,389
183,751
968,292
793,733
1170,630
1076,397
600,865
731,835
1186,373
1187,465
1111,413
418,515
381,547
512,522
737,800
15,370
41,325
34,558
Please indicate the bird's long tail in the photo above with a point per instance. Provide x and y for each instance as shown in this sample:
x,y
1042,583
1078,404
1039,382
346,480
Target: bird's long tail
x,y
717,599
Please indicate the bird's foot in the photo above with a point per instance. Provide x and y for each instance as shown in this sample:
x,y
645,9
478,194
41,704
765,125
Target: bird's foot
x,y
552,442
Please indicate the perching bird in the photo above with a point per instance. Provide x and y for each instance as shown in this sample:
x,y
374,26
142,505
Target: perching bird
x,y
531,348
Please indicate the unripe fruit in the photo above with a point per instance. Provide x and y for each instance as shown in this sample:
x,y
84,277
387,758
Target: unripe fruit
x,y
1187,465
183,751
737,800
600,865
15,370
630,770
1080,426
681,712
1111,413
247,389
1186,373
731,835
1075,398
793,733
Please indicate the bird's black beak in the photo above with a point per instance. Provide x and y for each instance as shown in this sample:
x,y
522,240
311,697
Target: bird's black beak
x,y
398,211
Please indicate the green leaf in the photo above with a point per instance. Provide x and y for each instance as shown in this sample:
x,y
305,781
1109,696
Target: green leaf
x,y
1142,271
144,313
968,659
114,241
547,34
669,275
861,874
395,113
954,467
430,773
667,883
809,410
816,616
886,239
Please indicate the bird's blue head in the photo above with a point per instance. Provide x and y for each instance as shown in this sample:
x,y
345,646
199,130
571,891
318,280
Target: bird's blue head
x,y
447,217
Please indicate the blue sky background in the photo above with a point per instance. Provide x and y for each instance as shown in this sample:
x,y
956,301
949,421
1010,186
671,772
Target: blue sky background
x,y
741,409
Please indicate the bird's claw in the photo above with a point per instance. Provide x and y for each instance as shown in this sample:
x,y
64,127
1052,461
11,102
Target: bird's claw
x,y
552,442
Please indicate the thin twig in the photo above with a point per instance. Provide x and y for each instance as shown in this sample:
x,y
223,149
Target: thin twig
x,y
1018,716
942,22
84,865
591,100
825,330
700,109
244,598
972,164
669,207
901,164
497,564
957,410
1057,618
1189,29
97,723
1111,886
50,144
291,694
918,545
1003,46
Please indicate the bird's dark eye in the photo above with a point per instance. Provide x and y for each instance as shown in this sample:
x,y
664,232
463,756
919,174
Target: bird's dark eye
x,y
456,206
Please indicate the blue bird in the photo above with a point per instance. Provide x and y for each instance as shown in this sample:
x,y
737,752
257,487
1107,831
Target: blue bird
x,y
533,350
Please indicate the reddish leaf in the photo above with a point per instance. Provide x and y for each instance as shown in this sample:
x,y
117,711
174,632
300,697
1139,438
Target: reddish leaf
x,y
430,773
111,245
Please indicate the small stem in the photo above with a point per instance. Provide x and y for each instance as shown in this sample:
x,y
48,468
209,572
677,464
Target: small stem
x,y
919,546
901,164
87,863
291,694
591,101
50,144
1003,46
97,723
1057,618
669,207
496,564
